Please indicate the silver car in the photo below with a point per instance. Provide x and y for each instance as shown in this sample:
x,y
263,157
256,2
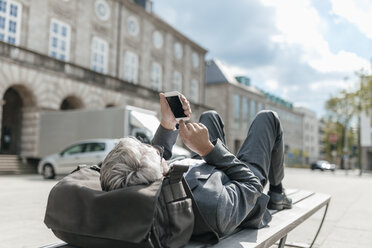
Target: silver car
x,y
87,152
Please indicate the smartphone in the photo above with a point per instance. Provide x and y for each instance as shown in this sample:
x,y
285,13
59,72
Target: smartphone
x,y
174,101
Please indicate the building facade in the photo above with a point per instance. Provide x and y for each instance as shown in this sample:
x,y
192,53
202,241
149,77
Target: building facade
x,y
310,135
238,103
58,55
366,141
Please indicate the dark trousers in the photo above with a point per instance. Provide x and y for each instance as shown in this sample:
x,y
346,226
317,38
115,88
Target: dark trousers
x,y
262,150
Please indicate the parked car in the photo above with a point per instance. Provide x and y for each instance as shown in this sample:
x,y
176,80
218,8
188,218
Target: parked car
x,y
89,152
84,152
323,165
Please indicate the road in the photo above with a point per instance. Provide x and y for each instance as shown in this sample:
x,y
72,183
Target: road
x,y
348,222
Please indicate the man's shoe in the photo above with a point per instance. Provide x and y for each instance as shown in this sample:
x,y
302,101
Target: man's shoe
x,y
279,201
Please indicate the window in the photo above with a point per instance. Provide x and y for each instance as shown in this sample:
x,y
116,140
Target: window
x,y
177,81
195,60
99,55
260,106
102,10
10,21
156,76
245,113
131,67
133,26
194,94
253,109
157,39
74,149
178,51
95,147
59,44
236,111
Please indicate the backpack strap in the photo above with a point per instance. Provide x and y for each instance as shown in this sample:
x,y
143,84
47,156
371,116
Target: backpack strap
x,y
172,187
176,173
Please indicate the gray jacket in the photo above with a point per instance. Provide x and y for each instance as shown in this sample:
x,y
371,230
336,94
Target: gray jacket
x,y
227,192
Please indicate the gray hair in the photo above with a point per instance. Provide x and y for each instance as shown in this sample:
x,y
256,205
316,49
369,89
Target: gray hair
x,y
130,162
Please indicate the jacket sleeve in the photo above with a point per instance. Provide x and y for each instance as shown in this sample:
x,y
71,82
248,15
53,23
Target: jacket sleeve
x,y
166,139
239,194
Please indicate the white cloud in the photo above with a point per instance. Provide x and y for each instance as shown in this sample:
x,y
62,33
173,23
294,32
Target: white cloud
x,y
341,62
234,70
272,84
323,85
300,24
327,87
358,12
288,90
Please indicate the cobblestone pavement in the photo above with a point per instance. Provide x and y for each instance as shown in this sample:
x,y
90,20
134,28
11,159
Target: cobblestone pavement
x,y
348,222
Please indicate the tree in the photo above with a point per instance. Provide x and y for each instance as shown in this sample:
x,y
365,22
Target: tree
x,y
363,98
341,109
364,94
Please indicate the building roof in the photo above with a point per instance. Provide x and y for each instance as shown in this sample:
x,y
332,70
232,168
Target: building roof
x,y
217,73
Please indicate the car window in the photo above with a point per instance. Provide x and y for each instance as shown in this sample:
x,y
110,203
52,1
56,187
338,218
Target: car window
x,y
95,147
74,149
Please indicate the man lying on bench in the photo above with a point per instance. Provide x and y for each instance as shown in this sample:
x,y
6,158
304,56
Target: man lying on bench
x,y
227,188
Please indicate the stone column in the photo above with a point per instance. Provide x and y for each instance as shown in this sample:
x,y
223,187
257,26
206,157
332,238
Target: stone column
x,y
30,132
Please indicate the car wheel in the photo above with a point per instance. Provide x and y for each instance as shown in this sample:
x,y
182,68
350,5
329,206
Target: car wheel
x,y
48,172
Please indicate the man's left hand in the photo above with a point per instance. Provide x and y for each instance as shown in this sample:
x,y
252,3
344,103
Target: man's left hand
x,y
168,120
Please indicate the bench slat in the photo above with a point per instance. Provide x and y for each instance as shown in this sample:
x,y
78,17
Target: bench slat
x,y
283,222
296,196
290,191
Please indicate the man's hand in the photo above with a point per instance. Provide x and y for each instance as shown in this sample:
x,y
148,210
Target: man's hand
x,y
196,137
167,118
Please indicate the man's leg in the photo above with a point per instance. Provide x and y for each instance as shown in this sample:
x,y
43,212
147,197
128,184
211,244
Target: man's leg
x,y
263,153
213,121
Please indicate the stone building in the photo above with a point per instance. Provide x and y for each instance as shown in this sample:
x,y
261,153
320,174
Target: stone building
x,y
70,54
238,103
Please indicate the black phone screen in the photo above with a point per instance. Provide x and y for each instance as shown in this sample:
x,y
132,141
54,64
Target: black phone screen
x,y
176,106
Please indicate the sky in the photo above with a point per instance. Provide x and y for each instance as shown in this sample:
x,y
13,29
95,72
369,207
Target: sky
x,y
301,50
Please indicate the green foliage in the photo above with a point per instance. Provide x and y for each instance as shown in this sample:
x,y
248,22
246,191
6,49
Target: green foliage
x,y
341,109
364,94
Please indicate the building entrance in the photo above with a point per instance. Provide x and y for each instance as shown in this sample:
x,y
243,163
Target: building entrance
x,y
71,102
11,122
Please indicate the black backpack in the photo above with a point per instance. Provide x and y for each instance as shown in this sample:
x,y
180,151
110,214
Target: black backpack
x,y
155,215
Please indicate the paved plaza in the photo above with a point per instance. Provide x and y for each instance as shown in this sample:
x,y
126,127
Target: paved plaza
x,y
348,223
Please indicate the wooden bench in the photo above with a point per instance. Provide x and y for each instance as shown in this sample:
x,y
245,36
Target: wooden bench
x,y
305,204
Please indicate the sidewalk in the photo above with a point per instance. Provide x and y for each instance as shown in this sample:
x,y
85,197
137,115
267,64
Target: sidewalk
x,y
349,219
348,223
